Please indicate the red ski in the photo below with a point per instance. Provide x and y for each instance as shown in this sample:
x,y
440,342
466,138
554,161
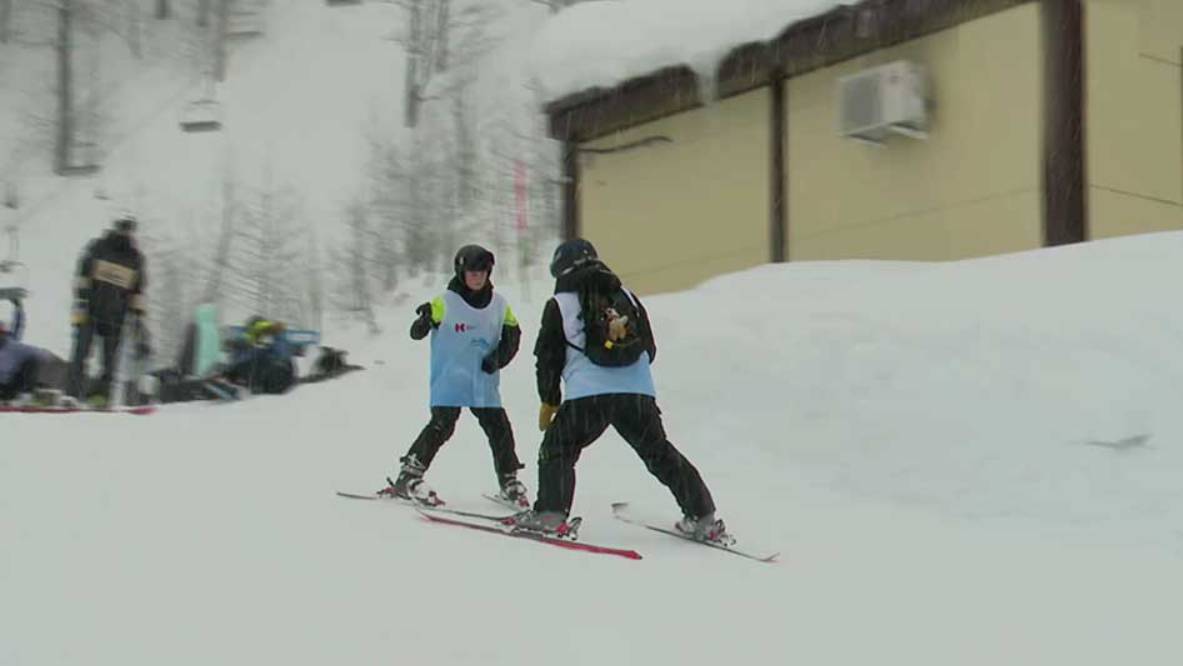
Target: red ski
x,y
532,536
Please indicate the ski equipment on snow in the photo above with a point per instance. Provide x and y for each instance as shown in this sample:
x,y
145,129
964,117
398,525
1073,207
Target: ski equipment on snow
x,y
496,527
620,511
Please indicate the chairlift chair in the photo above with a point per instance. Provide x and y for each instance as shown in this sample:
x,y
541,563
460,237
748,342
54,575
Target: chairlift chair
x,y
246,19
84,159
203,115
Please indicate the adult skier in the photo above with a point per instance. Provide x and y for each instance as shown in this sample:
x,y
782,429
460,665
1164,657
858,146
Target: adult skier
x,y
110,284
596,339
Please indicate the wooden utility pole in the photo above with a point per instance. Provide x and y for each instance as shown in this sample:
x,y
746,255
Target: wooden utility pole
x,y
5,20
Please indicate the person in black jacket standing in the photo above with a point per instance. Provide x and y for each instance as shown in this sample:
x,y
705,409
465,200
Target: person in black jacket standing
x,y
596,339
110,284
474,334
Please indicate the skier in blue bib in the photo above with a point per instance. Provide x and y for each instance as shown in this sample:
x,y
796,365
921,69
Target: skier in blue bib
x,y
474,334
596,340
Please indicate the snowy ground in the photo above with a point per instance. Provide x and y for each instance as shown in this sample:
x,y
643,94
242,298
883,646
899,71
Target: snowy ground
x,y
925,443
963,463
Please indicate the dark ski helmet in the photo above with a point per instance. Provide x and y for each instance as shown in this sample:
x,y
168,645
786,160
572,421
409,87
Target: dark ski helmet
x,y
571,255
125,224
472,258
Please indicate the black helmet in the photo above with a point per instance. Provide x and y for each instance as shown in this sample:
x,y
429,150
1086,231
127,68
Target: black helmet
x,y
571,255
472,258
125,224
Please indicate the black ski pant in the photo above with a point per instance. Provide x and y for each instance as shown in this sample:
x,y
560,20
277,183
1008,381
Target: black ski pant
x,y
637,419
494,421
23,381
111,333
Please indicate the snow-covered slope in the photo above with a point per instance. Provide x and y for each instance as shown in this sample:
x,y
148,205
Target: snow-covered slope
x,y
963,463
934,448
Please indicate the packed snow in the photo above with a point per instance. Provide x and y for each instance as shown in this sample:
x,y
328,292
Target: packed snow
x,y
972,462
605,42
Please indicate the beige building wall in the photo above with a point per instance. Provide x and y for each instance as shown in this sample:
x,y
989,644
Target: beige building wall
x,y
1134,116
668,215
972,188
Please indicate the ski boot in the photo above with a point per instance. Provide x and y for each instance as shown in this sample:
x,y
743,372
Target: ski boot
x,y
546,523
513,493
410,485
705,528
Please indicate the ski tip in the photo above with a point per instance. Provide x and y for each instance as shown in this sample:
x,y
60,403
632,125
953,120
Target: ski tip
x,y
355,495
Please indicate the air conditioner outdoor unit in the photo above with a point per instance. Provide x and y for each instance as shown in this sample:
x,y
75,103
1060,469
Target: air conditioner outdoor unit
x,y
885,100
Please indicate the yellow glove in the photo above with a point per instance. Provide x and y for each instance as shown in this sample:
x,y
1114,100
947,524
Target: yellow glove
x,y
546,414
78,318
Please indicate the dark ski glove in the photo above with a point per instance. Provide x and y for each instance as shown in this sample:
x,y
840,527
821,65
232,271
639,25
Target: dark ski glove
x,y
489,364
422,326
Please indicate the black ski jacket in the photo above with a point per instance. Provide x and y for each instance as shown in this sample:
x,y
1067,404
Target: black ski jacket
x,y
111,278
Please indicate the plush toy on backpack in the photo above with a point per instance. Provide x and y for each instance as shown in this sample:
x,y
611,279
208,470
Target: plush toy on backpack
x,y
612,326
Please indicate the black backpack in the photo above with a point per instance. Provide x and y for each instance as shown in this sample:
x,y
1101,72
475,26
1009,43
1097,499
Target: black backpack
x,y
613,328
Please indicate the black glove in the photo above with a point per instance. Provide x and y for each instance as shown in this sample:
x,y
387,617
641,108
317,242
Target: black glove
x,y
489,364
422,326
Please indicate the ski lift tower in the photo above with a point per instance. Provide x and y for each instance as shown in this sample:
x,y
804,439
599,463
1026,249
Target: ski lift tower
x,y
245,18
204,114
14,274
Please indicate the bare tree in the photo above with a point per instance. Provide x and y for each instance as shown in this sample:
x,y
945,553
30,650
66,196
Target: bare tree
x,y
5,21
79,32
356,258
439,37
221,259
174,262
314,297
65,86
223,23
389,208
